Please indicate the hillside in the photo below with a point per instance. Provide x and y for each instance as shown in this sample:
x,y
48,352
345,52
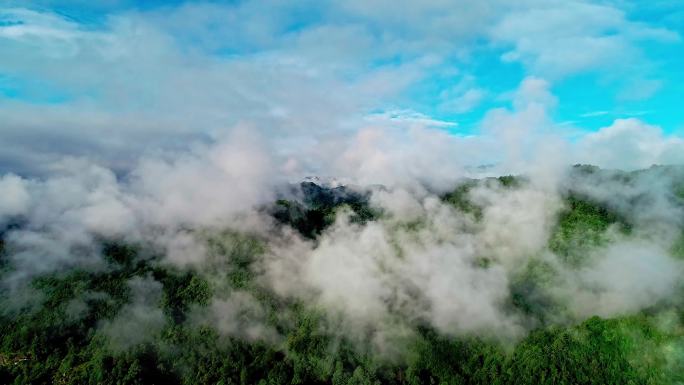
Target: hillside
x,y
507,310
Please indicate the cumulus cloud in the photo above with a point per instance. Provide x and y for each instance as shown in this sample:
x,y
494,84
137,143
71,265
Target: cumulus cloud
x,y
394,155
627,277
423,263
570,36
15,197
630,144
465,102
157,202
190,72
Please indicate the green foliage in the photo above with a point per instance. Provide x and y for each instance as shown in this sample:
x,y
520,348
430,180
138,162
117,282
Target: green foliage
x,y
56,336
586,169
678,190
596,352
308,222
529,290
180,291
459,198
441,360
318,208
580,227
61,328
119,253
678,247
232,254
510,181
44,344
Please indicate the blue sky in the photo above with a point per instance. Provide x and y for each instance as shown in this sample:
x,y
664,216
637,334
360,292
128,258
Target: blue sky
x,y
121,77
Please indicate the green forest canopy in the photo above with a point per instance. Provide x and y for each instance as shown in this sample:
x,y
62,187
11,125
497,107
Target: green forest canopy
x,y
59,335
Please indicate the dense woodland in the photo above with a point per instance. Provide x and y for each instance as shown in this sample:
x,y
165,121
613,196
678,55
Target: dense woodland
x,y
59,333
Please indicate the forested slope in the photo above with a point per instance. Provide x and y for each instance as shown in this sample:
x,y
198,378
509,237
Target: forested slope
x,y
135,318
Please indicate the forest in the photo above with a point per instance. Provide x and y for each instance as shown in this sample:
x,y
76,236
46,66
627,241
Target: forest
x,y
130,315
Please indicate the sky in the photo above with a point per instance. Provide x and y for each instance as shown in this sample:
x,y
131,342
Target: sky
x,y
117,81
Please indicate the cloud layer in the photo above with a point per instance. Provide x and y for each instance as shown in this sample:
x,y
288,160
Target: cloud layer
x,y
307,76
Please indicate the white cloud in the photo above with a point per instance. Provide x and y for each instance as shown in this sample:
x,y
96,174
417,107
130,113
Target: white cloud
x,y
15,197
136,81
464,102
630,144
558,38
625,278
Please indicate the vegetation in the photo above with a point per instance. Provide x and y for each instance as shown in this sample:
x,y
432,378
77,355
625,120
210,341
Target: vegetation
x,y
581,226
460,198
316,210
58,334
